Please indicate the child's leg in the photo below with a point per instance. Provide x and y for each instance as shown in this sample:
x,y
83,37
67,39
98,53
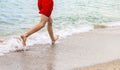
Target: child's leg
x,y
50,31
35,28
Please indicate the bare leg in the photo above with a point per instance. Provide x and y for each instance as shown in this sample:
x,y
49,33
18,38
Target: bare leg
x,y
34,29
50,31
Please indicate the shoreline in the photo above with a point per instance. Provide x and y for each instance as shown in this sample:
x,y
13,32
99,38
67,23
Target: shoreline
x,y
76,51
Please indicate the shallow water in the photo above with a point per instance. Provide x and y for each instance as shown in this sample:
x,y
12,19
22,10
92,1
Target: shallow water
x,y
17,16
90,48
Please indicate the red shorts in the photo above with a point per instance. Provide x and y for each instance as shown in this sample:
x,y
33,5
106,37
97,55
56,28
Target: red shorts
x,y
45,7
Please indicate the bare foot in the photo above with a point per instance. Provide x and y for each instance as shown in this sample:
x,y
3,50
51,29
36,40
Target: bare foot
x,y
23,38
56,38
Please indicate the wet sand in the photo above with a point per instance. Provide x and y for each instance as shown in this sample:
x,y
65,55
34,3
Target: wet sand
x,y
77,52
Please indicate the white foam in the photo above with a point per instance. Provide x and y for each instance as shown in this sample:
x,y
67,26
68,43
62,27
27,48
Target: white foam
x,y
73,30
111,24
14,43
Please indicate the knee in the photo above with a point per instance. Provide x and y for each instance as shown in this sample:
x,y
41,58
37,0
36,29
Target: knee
x,y
49,24
42,25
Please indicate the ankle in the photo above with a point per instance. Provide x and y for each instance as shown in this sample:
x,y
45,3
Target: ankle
x,y
53,40
26,35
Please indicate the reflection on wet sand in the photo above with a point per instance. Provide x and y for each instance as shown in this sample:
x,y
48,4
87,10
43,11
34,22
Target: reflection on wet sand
x,y
44,59
39,57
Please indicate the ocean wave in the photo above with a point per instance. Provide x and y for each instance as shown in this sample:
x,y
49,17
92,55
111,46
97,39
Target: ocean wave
x,y
13,43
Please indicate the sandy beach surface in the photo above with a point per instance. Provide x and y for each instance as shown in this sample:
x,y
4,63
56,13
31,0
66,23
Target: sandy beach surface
x,y
94,50
113,65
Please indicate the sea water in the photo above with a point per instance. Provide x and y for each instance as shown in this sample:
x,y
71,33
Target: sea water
x,y
69,16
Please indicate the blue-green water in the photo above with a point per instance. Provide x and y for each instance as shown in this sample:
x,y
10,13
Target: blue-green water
x,y
17,16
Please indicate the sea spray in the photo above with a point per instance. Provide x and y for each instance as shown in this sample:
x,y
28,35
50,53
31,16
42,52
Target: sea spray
x,y
14,43
17,17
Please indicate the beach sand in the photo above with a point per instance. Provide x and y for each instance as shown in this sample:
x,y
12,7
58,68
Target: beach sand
x,y
94,50
113,65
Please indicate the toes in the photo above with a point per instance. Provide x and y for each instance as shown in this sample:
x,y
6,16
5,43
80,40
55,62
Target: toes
x,y
53,42
57,37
